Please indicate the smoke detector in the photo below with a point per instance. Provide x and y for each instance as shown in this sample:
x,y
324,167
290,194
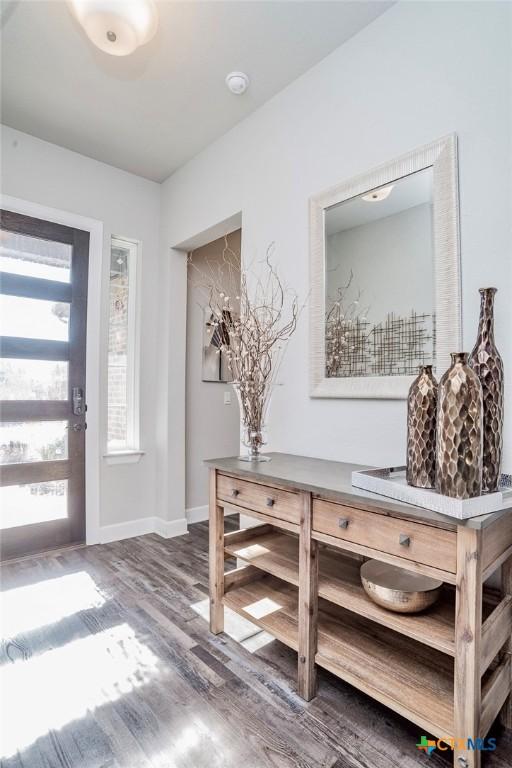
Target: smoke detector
x,y
237,82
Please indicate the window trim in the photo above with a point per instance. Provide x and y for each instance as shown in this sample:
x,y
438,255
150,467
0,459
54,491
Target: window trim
x,y
128,452
123,457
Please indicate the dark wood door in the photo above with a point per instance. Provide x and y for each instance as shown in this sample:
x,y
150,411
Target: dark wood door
x,y
43,298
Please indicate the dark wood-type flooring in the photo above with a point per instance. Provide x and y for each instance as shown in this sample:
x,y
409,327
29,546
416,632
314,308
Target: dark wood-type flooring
x,y
107,663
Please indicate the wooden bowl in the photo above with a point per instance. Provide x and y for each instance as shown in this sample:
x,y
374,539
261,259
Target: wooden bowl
x,y
398,590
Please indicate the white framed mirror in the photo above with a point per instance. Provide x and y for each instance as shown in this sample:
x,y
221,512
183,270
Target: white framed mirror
x,y
385,276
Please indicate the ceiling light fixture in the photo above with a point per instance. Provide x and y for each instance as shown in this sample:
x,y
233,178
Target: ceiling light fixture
x,y
117,27
376,195
237,82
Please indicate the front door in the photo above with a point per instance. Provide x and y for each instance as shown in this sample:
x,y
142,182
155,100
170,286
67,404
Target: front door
x,y
43,312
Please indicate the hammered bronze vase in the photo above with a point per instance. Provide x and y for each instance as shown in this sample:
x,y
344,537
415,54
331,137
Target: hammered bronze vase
x,y
421,430
486,362
459,431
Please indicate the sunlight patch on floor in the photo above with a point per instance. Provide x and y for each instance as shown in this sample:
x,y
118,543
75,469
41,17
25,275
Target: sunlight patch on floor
x,y
48,691
242,630
46,602
191,744
257,641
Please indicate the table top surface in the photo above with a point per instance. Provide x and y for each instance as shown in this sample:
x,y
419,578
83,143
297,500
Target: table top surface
x,y
334,478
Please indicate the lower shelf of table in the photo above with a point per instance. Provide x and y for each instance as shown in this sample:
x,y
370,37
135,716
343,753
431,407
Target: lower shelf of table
x,y
406,676
339,582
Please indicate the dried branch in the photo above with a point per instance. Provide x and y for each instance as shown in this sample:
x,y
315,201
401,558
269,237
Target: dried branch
x,y
344,330
253,316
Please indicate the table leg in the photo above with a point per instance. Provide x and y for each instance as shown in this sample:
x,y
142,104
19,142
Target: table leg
x,y
468,633
216,547
506,589
308,602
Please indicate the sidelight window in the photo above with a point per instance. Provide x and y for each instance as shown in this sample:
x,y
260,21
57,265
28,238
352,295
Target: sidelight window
x,y
123,427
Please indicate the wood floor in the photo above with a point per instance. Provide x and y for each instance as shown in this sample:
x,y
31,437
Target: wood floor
x,y
107,661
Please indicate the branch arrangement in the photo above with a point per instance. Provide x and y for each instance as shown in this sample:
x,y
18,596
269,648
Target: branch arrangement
x,y
252,316
344,324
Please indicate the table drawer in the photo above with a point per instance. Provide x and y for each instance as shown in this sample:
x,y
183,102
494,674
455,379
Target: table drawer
x,y
283,505
421,543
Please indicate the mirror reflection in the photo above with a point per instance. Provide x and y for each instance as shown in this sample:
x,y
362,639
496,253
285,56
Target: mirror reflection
x,y
379,281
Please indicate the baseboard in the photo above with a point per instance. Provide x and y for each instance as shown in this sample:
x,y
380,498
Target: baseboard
x,y
126,530
170,528
198,514
165,528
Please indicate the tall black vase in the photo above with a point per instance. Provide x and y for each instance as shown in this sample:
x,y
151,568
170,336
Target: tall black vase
x,y
486,362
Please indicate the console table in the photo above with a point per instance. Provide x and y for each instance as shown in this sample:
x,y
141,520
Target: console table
x,y
448,669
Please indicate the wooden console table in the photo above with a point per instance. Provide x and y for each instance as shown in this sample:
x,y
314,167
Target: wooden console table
x,y
448,670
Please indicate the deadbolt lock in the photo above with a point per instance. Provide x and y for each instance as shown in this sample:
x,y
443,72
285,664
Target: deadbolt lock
x,y
79,406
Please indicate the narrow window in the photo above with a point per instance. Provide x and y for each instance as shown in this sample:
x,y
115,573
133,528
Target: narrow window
x,y
123,427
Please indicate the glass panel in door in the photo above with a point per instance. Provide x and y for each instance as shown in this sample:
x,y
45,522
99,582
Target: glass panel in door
x,y
34,318
33,379
33,503
33,441
35,257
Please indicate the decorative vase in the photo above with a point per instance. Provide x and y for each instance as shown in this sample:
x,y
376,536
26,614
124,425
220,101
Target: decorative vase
x,y
254,405
253,440
486,362
459,431
421,430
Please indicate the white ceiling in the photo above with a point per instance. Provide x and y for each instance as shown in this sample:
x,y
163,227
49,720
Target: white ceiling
x,y
150,112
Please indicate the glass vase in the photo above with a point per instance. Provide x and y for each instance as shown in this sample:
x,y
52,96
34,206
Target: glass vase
x,y
253,413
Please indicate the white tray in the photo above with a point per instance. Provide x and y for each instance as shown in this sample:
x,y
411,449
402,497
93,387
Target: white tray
x,y
391,482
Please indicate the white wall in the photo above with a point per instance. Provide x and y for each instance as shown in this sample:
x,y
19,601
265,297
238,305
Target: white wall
x,y
212,428
127,205
419,72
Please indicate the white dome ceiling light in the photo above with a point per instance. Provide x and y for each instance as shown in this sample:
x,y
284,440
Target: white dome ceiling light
x,y
237,82
377,195
117,27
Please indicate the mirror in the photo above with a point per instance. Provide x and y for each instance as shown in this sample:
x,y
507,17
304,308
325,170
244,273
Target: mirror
x,y
385,276
380,238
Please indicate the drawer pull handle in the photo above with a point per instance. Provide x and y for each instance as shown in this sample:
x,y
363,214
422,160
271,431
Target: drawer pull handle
x,y
343,522
270,501
405,541
235,492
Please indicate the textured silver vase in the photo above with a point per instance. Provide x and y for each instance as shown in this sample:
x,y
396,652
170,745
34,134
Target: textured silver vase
x,y
486,362
421,430
459,431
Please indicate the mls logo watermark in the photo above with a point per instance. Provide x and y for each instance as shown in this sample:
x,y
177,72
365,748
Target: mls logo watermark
x,y
479,745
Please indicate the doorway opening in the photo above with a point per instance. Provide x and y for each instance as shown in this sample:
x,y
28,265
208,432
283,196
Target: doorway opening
x,y
212,413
